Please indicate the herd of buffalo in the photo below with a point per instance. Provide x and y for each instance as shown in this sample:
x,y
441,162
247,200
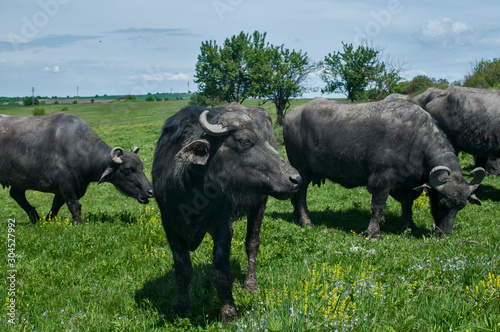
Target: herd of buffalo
x,y
212,166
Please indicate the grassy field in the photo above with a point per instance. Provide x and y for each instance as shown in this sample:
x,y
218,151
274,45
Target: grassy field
x,y
115,272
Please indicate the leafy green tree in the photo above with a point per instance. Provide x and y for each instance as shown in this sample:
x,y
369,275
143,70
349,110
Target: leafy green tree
x,y
420,83
150,97
130,97
485,74
29,101
198,99
223,72
279,76
349,72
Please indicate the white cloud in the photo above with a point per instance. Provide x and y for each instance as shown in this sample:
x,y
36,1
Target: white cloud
x,y
160,77
54,69
446,31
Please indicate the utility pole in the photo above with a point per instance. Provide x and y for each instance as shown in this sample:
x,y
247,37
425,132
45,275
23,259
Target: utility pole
x,y
77,88
33,96
171,94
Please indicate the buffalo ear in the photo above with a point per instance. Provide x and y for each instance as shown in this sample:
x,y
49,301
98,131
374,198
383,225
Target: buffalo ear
x,y
196,152
474,200
424,186
107,174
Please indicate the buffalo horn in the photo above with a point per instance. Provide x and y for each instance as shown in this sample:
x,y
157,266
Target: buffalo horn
x,y
479,174
115,155
434,180
211,129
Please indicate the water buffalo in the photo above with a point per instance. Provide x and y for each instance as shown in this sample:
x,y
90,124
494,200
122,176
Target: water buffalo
x,y
59,153
490,164
391,147
470,118
210,167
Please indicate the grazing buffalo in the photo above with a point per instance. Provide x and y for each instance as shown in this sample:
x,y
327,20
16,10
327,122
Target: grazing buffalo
x,y
391,147
210,167
470,118
59,153
490,164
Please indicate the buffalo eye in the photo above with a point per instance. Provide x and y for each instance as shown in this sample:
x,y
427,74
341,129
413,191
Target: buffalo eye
x,y
245,143
128,171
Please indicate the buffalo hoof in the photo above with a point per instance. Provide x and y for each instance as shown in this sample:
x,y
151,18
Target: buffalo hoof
x,y
182,309
306,223
228,313
251,284
414,230
440,233
371,235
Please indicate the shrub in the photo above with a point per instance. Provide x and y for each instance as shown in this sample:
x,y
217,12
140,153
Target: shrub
x,y
130,97
37,111
199,99
28,101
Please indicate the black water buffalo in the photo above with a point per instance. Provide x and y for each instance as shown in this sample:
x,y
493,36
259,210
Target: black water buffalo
x,y
391,147
490,164
211,167
470,118
59,153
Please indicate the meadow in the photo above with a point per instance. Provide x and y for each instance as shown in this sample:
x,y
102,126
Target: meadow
x,y
115,272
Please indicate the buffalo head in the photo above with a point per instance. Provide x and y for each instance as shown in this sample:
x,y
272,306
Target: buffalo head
x,y
238,159
125,171
449,193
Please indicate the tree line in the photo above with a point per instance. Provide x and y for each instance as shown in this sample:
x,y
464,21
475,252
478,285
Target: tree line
x,y
245,66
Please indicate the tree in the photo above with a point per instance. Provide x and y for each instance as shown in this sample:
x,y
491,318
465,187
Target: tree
x,y
349,72
420,83
223,72
485,74
29,101
279,76
386,78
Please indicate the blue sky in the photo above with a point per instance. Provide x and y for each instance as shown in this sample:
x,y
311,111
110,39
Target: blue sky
x,y
135,47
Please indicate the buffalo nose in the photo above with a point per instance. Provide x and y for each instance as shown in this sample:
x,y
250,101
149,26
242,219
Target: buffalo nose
x,y
296,180
150,193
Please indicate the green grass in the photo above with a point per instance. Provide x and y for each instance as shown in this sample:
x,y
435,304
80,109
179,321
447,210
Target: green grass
x,y
115,272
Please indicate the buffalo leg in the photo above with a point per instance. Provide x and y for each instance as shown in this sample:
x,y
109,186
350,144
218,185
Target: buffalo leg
x,y
56,205
379,200
252,245
71,197
299,203
407,216
19,196
221,273
183,272
75,208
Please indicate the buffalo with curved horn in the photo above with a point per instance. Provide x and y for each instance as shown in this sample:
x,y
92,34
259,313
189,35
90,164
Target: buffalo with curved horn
x,y
59,153
391,147
210,168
